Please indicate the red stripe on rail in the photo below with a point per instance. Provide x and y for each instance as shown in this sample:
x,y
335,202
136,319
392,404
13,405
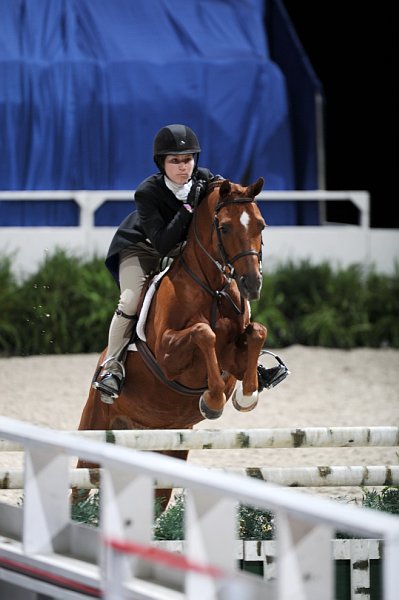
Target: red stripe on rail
x,y
169,559
48,577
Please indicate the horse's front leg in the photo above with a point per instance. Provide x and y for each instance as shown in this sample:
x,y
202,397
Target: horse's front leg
x,y
246,395
176,355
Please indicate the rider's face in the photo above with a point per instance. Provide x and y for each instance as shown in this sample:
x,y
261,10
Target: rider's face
x,y
179,167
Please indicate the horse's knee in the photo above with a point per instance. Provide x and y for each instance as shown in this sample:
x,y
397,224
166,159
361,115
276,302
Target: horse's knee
x,y
256,331
203,335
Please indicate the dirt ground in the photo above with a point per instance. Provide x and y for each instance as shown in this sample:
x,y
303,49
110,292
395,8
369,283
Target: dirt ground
x,y
327,387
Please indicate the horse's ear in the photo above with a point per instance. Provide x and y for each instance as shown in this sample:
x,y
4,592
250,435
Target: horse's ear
x,y
225,188
255,188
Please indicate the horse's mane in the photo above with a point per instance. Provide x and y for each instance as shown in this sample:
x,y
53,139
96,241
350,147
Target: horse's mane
x,y
217,182
214,184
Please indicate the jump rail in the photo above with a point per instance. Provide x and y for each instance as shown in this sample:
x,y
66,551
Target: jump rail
x,y
215,439
211,439
324,476
40,535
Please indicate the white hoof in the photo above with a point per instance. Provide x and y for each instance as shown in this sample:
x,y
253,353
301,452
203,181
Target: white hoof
x,y
244,403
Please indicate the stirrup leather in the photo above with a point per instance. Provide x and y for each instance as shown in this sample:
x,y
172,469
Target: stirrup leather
x,y
269,378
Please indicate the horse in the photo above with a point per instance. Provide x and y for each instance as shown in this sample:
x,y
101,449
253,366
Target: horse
x,y
200,346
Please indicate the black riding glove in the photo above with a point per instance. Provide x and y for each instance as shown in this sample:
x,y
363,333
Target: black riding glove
x,y
198,189
216,178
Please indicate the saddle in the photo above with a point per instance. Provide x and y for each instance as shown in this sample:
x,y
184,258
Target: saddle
x,y
148,292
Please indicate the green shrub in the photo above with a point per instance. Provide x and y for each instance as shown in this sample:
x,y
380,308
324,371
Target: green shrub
x,y
387,500
67,305
87,510
51,304
314,305
252,523
382,301
255,524
169,525
100,296
10,331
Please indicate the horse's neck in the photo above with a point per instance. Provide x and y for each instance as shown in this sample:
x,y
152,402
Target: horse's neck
x,y
199,254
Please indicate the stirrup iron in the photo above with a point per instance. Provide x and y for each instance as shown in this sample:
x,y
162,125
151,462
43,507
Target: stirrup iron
x,y
107,393
269,378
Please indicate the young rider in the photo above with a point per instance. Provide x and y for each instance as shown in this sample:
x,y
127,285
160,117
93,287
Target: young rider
x,y
156,229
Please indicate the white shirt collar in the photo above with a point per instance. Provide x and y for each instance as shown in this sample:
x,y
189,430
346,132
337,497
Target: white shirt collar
x,y
180,190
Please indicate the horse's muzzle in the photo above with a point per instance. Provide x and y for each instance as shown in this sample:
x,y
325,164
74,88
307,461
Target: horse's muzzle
x,y
250,286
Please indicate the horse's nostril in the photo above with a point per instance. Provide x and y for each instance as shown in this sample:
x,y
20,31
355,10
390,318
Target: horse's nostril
x,y
250,286
243,283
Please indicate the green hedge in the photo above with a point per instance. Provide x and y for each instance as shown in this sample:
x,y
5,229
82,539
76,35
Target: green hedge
x,y
314,305
66,306
252,523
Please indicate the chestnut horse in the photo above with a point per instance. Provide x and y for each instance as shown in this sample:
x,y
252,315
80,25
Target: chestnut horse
x,y
201,347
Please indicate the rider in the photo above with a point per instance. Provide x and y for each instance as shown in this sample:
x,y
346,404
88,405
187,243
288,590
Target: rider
x,y
164,206
158,227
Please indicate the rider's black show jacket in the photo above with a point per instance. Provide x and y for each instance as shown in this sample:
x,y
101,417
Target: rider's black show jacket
x,y
160,221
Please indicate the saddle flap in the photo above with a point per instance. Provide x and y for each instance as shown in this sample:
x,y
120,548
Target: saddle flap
x,y
145,307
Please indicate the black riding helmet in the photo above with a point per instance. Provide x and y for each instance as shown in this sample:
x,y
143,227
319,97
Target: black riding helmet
x,y
175,139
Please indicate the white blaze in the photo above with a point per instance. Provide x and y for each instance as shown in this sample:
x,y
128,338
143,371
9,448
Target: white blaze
x,y
244,219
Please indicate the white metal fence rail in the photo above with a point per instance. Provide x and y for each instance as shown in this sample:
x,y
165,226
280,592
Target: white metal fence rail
x,y
89,200
358,553
40,534
338,244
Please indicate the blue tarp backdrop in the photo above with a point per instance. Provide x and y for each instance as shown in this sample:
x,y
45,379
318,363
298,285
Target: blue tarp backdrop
x,y
85,85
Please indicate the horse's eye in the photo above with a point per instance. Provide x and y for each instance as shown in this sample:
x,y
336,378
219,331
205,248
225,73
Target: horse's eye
x,y
261,225
224,228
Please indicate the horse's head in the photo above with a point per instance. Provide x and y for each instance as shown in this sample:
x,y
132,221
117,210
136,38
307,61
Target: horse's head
x,y
237,234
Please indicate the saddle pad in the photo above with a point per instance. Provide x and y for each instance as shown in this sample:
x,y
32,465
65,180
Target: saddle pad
x,y
146,307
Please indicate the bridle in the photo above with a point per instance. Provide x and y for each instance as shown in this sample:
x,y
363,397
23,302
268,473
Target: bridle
x,y
226,265
229,262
